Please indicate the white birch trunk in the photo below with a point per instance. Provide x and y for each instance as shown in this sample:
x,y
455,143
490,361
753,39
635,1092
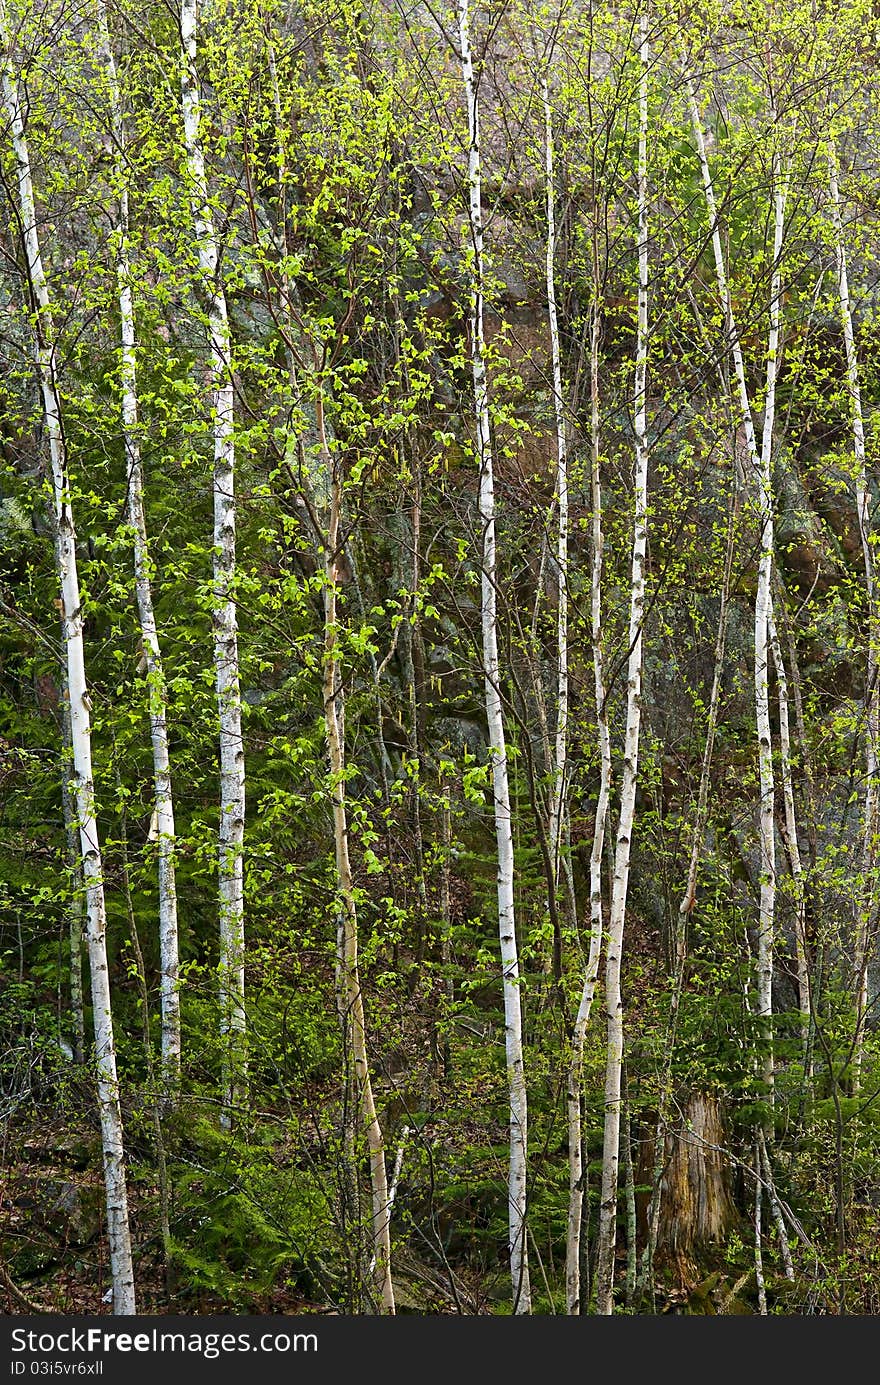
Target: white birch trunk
x,y
395,1180
689,897
791,835
112,1135
763,615
613,999
759,1258
746,421
574,1101
75,914
163,802
574,1105
761,471
519,1267
776,1208
232,778
561,741
865,906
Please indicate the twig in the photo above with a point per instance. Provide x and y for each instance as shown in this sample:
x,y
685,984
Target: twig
x,y
18,1294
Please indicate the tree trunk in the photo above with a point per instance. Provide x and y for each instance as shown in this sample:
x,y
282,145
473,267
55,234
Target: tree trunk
x,y
696,1209
560,765
791,837
613,998
163,802
322,496
232,778
686,907
762,480
866,907
74,866
519,1266
112,1135
759,1256
763,615
350,1001
574,1096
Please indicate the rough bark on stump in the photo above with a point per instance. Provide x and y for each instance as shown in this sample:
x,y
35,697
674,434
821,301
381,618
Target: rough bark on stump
x,y
697,1210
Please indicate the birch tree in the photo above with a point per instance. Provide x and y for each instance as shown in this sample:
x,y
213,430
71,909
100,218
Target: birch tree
x,y
112,1134
75,923
574,1079
763,615
162,828
629,778
517,1167
560,761
761,474
865,905
225,620
791,836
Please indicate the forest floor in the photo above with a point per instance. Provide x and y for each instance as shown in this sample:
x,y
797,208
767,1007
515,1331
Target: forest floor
x,y
54,1254
53,1246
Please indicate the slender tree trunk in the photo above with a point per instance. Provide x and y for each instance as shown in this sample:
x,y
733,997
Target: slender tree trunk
x,y
446,910
408,632
519,1267
323,489
74,866
232,775
776,1208
866,907
157,1091
791,836
813,988
680,939
629,1184
350,1000
574,1098
759,1258
560,761
763,615
395,1180
613,999
762,479
112,1135
163,802
689,897
411,626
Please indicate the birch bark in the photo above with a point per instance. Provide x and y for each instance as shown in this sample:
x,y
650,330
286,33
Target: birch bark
x,y
561,739
763,615
574,1099
759,1258
762,478
866,904
613,999
112,1135
791,835
519,1266
225,623
74,865
163,801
